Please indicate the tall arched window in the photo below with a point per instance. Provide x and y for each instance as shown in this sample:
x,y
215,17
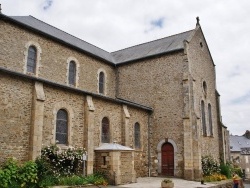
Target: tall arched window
x,y
62,127
137,135
203,118
210,119
32,59
72,73
105,130
101,82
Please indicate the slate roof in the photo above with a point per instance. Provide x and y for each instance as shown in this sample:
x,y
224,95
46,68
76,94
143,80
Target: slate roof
x,y
153,48
238,142
41,26
157,47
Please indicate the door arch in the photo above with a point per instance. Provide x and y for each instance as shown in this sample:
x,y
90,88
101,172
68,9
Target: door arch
x,y
167,159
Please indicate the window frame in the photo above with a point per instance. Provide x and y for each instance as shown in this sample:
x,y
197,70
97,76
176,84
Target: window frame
x,y
137,135
101,83
105,130
72,73
59,121
210,120
203,118
31,59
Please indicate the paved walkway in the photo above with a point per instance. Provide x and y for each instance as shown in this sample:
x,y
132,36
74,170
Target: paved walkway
x,y
155,182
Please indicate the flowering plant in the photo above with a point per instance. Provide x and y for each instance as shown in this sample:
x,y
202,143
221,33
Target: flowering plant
x,y
209,165
63,162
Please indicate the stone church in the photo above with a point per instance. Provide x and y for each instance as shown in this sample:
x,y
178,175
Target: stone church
x,y
147,110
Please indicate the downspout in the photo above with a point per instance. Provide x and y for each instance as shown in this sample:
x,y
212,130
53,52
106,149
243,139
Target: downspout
x,y
116,82
149,153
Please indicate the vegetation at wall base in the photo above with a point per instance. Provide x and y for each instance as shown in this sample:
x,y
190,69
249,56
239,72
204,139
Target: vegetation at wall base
x,y
215,171
54,167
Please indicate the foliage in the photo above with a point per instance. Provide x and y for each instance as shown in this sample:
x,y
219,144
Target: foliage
x,y
45,173
28,174
209,165
167,181
15,175
96,179
54,167
63,162
72,180
226,169
215,177
238,171
9,173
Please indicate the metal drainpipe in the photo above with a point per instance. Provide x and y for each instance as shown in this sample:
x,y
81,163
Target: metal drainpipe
x,y
149,153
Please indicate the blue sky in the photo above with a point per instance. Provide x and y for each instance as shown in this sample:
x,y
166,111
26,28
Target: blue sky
x,y
117,24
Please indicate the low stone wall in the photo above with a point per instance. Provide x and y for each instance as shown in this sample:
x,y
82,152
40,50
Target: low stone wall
x,y
225,184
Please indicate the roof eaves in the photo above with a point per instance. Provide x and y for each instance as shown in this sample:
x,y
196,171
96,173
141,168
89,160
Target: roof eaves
x,y
150,56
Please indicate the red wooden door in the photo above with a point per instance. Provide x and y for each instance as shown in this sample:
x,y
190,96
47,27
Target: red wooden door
x,y
167,156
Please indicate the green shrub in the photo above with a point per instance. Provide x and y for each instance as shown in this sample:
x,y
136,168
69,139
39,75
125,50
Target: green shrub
x,y
9,173
27,174
238,171
226,169
14,175
72,180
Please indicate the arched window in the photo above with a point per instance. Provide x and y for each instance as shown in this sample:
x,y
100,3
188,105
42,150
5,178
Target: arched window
x,y
62,127
72,73
101,82
210,119
203,118
32,59
137,135
105,130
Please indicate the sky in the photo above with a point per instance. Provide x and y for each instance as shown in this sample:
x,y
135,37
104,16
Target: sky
x,y
117,24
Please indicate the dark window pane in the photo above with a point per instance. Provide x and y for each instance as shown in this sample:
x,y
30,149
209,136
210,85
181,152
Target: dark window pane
x,y
62,127
72,73
203,118
105,130
31,60
210,119
101,82
137,135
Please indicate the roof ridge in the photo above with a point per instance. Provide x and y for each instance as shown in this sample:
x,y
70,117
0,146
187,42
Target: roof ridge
x,y
153,41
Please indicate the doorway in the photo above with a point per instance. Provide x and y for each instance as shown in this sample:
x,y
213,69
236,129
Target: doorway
x,y
167,156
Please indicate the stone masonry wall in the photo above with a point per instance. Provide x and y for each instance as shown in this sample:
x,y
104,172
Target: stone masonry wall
x,y
157,82
15,113
73,103
53,60
203,69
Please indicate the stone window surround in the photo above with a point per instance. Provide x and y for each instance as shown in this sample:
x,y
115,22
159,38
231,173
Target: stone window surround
x,y
110,129
77,71
208,129
141,141
105,81
204,88
68,108
38,58
203,124
210,123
